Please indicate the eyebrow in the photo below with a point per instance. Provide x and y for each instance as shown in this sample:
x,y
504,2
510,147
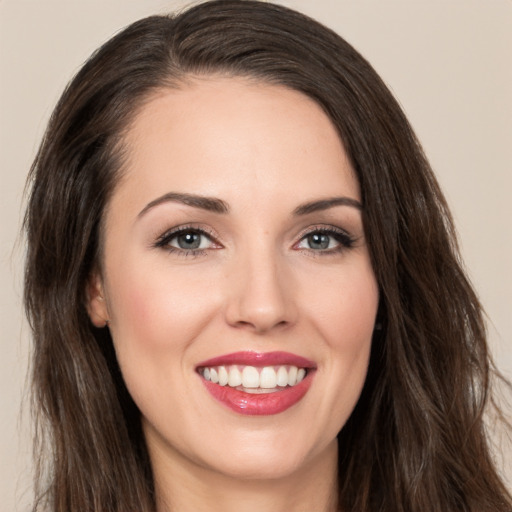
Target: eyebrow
x,y
325,204
211,204
216,205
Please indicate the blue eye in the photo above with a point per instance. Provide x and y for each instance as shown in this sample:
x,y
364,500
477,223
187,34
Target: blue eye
x,y
326,240
189,240
319,241
186,239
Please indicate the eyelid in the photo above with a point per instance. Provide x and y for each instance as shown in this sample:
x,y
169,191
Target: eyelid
x,y
163,240
344,238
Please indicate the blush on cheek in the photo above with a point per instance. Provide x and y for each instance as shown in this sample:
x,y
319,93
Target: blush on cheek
x,y
139,306
352,329
161,312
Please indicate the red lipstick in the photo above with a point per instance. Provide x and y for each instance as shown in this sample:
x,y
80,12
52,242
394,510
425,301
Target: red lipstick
x,y
250,358
274,401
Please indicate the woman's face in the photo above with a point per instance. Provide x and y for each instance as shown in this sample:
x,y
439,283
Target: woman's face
x,y
234,250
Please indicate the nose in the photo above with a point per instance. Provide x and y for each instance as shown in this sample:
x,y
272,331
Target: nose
x,y
261,294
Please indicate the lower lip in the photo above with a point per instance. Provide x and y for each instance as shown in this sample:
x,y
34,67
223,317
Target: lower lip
x,y
259,404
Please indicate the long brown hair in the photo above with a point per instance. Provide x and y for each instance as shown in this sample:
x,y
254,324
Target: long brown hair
x,y
416,441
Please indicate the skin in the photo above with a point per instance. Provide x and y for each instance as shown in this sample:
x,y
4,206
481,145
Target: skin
x,y
256,284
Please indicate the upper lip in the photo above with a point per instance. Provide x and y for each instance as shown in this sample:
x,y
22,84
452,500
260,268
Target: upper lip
x,y
251,358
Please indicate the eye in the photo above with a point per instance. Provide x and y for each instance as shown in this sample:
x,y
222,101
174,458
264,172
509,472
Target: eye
x,y
320,241
190,240
186,239
326,240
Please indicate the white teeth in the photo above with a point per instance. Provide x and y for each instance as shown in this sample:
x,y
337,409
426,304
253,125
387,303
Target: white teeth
x,y
268,378
235,377
292,376
282,377
253,378
223,376
250,377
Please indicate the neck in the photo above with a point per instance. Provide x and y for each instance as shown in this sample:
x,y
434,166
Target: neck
x,y
182,486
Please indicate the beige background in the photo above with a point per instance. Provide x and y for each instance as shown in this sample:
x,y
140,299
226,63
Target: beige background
x,y
449,62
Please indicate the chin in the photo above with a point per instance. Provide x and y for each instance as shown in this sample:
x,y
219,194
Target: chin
x,y
259,467
266,457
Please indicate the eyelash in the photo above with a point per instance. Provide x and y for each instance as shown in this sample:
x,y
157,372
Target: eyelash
x,y
165,240
344,240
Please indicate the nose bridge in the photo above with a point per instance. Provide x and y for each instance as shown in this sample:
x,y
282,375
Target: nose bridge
x,y
261,295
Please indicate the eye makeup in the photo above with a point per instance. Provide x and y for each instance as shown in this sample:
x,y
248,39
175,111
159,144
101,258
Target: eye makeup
x,y
193,240
188,240
325,240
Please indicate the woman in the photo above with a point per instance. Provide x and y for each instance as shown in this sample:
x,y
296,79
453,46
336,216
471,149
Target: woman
x,y
243,283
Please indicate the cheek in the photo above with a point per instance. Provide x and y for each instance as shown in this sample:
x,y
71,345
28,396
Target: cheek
x,y
352,331
346,309
156,306
155,318
345,316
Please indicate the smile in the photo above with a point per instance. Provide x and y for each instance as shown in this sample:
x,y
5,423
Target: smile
x,y
252,379
257,383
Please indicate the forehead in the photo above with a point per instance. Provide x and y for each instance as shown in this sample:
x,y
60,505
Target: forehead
x,y
219,136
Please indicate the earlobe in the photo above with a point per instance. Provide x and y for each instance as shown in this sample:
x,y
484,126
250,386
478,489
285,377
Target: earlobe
x,y
96,303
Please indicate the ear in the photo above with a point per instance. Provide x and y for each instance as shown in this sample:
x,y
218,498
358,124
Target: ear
x,y
96,303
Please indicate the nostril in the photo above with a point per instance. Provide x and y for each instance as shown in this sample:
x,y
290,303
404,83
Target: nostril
x,y
260,301
260,326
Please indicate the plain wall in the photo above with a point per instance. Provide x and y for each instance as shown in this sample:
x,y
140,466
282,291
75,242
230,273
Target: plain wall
x,y
448,62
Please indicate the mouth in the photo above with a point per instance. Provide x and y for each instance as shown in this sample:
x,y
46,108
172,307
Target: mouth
x,y
256,383
252,379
